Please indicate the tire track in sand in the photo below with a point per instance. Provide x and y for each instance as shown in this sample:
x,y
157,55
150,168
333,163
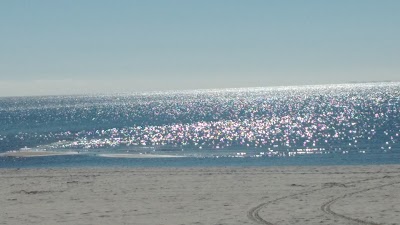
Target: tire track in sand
x,y
326,207
253,213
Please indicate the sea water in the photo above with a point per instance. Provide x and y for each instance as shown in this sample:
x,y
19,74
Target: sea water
x,y
301,125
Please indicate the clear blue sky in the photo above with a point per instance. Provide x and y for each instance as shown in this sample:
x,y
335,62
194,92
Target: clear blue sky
x,y
66,47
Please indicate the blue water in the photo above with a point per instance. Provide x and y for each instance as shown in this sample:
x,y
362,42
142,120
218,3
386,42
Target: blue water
x,y
92,161
348,124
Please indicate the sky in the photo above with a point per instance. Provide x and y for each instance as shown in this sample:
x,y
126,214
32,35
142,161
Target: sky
x,y
52,47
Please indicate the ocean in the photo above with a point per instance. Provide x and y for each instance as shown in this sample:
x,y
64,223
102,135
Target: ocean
x,y
344,124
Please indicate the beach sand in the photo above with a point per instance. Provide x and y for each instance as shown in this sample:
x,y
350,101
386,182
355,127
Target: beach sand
x,y
268,195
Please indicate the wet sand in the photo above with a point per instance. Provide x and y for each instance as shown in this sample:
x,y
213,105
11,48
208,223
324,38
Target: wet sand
x,y
269,195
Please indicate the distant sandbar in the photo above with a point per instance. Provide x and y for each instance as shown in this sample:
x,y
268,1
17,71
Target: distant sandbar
x,y
35,153
139,156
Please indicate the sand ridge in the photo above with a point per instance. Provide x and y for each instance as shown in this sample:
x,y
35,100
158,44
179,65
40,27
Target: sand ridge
x,y
36,153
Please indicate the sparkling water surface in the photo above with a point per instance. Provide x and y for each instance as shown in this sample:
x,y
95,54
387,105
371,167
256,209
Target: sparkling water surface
x,y
90,161
250,126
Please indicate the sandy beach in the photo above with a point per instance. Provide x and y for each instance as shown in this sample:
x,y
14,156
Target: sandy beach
x,y
269,195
